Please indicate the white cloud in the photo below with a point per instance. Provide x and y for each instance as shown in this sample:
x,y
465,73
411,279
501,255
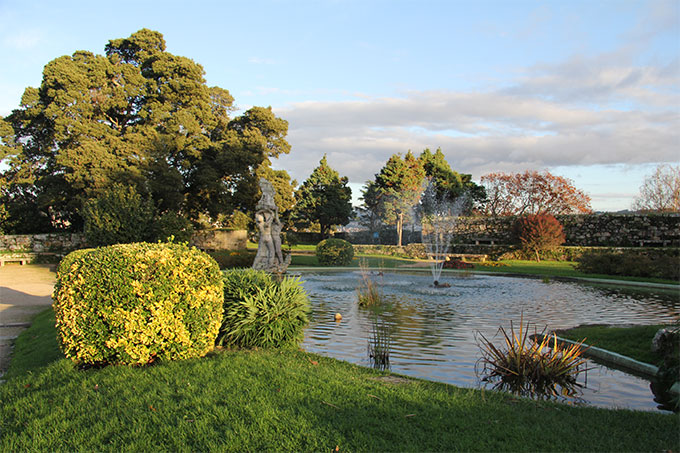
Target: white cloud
x,y
584,111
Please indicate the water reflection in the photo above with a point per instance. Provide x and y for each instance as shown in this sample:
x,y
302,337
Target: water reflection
x,y
432,334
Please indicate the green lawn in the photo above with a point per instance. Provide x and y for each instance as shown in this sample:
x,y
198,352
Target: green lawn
x,y
558,269
634,342
286,401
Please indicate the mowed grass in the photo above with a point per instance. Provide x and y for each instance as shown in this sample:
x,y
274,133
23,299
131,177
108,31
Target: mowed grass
x,y
286,401
634,342
558,269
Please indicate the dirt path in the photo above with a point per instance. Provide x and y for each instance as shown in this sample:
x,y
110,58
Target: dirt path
x,y
24,292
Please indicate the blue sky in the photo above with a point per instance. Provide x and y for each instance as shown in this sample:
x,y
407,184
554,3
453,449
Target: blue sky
x,y
589,90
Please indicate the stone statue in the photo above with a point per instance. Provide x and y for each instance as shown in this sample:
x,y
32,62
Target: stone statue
x,y
269,256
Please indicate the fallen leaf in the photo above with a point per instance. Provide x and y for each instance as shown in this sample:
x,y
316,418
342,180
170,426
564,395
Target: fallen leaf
x,y
313,362
331,405
152,408
410,415
373,396
337,448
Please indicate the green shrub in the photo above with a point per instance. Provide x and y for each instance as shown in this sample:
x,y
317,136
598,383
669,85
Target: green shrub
x,y
648,263
232,259
238,221
172,225
136,303
334,252
260,311
118,215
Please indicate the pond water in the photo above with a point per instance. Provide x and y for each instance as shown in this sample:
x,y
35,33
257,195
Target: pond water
x,y
433,329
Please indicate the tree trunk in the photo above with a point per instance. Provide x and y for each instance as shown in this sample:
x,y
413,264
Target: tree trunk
x,y
400,228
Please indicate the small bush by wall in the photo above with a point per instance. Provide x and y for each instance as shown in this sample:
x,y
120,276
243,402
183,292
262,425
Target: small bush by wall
x,y
260,311
132,304
663,264
334,252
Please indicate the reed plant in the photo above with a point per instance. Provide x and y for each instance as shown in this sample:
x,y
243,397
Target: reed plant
x,y
379,343
535,365
369,293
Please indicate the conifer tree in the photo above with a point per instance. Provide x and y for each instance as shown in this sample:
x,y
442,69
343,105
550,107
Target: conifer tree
x,y
324,199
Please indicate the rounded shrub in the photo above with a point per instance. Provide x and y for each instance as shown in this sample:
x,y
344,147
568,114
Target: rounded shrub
x,y
132,304
334,252
539,233
261,311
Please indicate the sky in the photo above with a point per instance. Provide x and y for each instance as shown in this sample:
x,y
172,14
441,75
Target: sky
x,y
586,89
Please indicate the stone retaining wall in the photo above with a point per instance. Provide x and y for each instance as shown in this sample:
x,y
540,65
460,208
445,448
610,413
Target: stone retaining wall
x,y
220,239
63,243
42,243
595,230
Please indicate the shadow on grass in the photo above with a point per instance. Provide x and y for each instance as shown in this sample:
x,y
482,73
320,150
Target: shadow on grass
x,y
36,347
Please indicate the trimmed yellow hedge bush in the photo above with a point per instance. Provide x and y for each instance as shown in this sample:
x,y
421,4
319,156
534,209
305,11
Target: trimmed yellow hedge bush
x,y
133,304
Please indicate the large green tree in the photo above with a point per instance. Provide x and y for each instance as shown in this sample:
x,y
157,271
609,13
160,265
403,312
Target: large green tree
x,y
449,184
138,116
396,190
323,198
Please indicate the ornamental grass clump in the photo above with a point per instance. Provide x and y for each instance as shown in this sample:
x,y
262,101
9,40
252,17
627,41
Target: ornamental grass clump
x,y
369,293
262,311
133,304
529,367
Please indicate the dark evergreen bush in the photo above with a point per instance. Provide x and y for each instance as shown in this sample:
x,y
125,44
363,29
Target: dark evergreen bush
x,y
136,303
261,311
118,215
334,252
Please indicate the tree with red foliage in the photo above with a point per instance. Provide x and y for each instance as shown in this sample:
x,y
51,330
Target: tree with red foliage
x,y
532,192
539,232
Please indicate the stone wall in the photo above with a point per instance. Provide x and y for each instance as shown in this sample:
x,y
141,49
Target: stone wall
x,y
59,243
596,230
63,243
220,239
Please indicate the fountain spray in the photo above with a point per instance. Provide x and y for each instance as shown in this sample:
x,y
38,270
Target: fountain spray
x,y
438,217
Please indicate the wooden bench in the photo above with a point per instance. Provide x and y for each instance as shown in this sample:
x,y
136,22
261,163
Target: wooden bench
x,y
468,257
22,258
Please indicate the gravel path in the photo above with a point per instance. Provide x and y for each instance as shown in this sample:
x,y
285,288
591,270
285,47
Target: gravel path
x,y
24,292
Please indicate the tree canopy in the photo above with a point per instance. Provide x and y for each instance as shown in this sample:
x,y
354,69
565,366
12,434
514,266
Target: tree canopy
x,y
660,191
532,192
138,116
449,184
396,190
323,198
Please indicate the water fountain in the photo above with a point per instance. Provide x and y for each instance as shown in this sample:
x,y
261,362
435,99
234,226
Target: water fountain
x,y
438,217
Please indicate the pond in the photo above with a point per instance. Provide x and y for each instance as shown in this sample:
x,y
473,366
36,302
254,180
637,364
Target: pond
x,y
433,329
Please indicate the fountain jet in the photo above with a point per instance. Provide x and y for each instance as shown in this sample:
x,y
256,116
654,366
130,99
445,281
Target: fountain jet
x,y
438,218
